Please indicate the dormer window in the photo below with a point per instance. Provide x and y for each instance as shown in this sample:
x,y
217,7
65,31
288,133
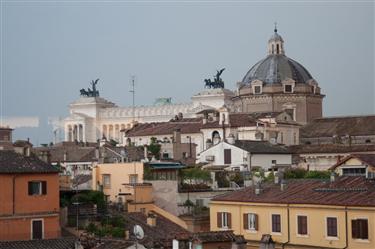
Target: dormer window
x,y
257,89
288,88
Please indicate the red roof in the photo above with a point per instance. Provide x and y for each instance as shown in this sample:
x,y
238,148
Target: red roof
x,y
344,191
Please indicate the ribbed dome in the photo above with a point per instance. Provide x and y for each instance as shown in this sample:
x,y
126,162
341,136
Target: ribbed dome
x,y
275,68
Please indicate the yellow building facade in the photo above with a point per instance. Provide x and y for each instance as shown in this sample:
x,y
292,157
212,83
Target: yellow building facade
x,y
112,178
297,225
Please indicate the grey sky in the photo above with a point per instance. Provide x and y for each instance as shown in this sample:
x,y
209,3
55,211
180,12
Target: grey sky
x,y
51,50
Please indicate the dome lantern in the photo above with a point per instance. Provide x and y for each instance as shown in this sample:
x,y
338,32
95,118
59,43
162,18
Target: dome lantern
x,y
275,43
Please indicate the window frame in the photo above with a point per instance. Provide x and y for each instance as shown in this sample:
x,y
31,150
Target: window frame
x,y
291,88
225,221
105,185
260,89
298,227
279,224
42,188
32,230
360,238
329,236
251,222
227,156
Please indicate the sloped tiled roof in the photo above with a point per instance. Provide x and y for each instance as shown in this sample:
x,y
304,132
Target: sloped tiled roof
x,y
261,147
331,148
344,191
13,162
61,243
166,128
215,236
164,232
73,153
327,127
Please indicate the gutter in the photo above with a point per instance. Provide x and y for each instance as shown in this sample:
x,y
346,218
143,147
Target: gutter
x,y
346,227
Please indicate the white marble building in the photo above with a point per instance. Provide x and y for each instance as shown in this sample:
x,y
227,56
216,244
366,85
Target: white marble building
x,y
92,118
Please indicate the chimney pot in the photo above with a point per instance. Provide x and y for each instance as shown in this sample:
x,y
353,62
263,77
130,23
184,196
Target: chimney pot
x,y
283,185
276,179
333,176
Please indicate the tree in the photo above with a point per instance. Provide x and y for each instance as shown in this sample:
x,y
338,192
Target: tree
x,y
154,148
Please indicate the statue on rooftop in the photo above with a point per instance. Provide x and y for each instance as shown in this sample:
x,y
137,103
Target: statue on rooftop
x,y
217,83
90,92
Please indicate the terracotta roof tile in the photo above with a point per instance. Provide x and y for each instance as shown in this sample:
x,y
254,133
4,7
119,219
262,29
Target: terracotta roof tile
x,y
327,127
13,162
61,243
331,148
345,191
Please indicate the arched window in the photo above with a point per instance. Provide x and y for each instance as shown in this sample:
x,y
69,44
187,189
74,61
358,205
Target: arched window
x,y
277,49
273,48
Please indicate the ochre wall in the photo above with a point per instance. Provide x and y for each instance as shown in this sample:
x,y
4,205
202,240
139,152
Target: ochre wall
x,y
316,214
15,217
25,203
20,228
119,174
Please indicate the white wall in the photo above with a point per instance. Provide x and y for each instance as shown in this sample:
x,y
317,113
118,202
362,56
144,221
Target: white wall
x,y
239,157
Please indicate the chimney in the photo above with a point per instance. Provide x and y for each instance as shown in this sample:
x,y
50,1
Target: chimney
x,y
126,235
205,117
151,219
258,188
231,139
283,185
333,176
276,179
177,136
6,138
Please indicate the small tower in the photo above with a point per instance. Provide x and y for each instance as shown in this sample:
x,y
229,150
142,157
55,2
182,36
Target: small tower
x,y
275,44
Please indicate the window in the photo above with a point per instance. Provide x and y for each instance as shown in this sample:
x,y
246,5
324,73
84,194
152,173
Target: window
x,y
273,162
250,221
37,229
288,88
360,229
302,225
331,227
227,156
257,89
277,49
106,180
37,188
224,220
165,155
276,223
354,171
133,179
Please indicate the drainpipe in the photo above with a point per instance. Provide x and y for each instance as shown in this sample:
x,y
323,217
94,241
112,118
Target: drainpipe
x,y
288,225
346,228
14,195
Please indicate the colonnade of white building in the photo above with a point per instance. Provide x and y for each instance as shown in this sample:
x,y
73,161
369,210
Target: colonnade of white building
x,y
75,132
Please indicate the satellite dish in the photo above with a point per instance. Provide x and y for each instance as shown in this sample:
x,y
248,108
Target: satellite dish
x,y
138,232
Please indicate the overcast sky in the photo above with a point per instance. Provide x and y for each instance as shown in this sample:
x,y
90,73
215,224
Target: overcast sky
x,y
51,50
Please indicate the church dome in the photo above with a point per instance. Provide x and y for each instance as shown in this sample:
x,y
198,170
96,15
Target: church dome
x,y
277,67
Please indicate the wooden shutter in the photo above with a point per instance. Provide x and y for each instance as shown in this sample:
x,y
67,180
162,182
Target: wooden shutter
x,y
30,187
229,220
256,221
44,187
302,224
276,224
363,228
331,227
355,229
227,156
245,221
219,222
